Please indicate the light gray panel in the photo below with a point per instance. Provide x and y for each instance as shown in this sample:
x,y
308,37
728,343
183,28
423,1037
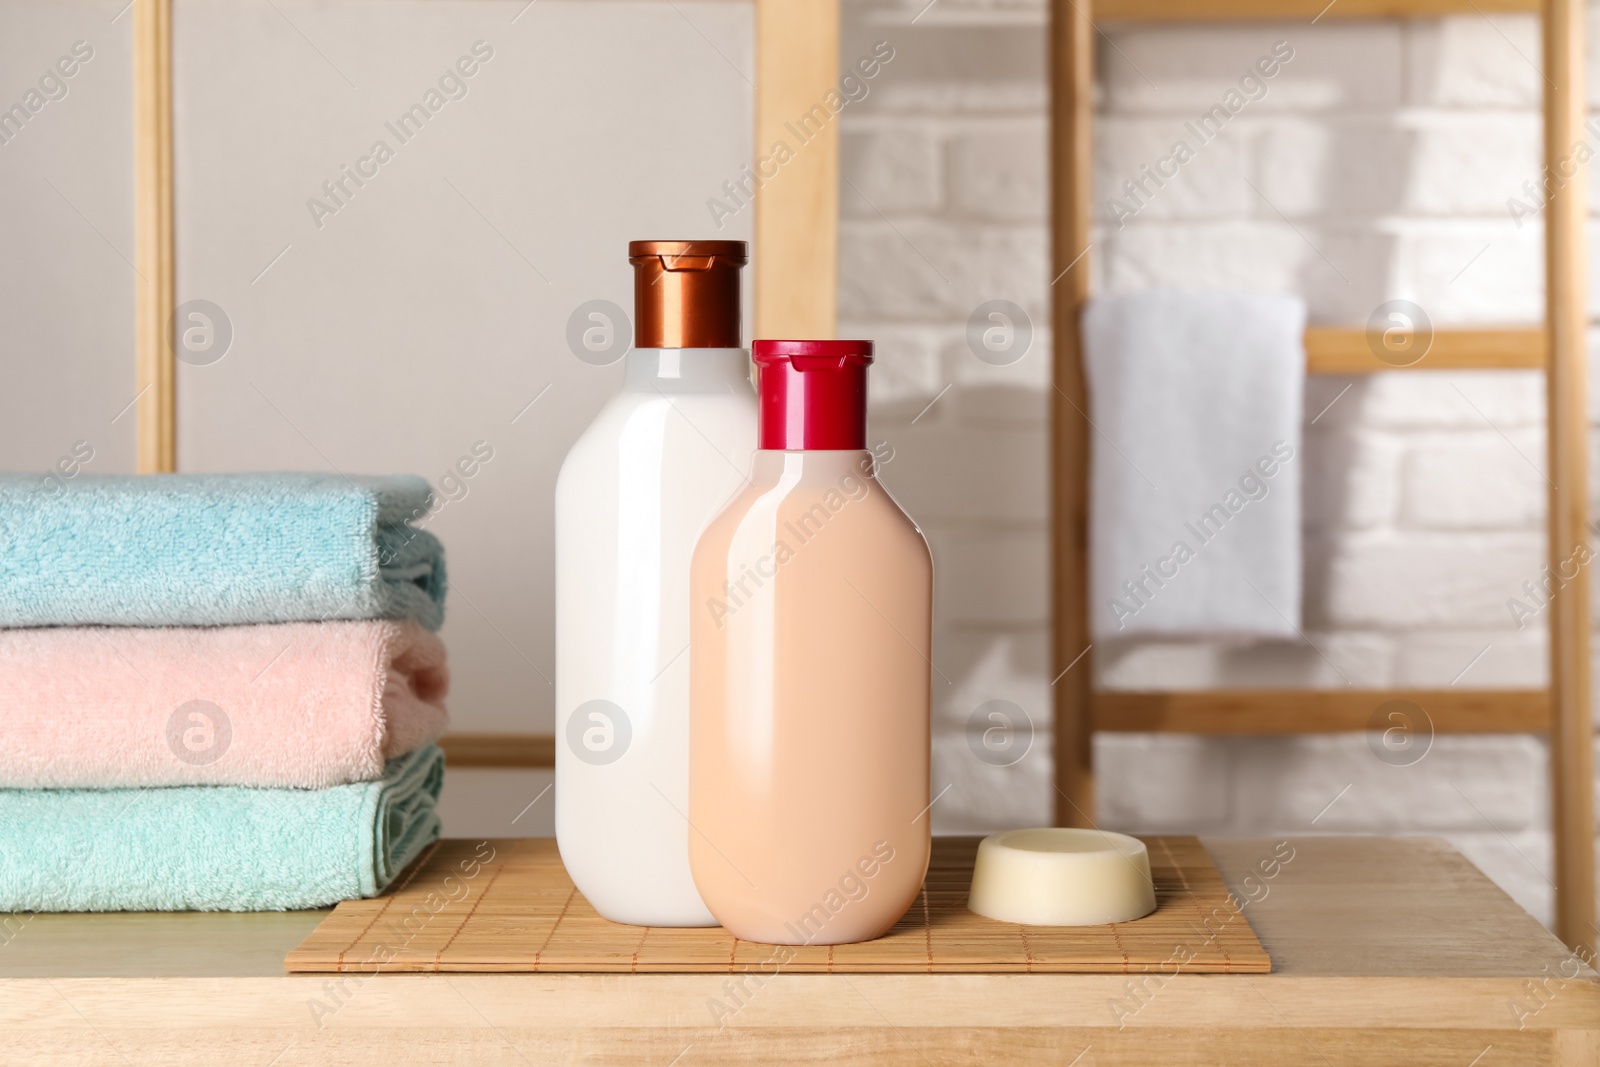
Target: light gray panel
x,y
480,802
425,314
67,279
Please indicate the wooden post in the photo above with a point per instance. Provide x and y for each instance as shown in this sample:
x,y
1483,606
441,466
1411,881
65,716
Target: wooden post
x,y
152,222
797,211
1071,188
1571,713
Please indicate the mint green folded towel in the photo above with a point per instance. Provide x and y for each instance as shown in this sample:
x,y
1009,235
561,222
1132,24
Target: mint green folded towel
x,y
215,848
215,549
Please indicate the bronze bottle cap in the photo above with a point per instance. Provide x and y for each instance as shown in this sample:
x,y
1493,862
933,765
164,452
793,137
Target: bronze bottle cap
x,y
686,293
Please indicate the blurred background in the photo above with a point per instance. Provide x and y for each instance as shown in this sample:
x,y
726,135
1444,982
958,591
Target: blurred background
x,y
421,317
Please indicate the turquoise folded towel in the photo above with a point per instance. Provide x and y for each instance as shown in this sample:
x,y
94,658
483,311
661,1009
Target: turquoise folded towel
x,y
215,848
215,549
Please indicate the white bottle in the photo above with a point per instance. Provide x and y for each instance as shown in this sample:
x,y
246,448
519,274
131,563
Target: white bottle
x,y
657,464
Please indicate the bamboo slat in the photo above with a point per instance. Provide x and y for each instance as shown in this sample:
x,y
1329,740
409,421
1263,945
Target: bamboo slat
x,y
1566,279
1071,187
1334,350
1242,712
536,751
519,912
155,407
1238,712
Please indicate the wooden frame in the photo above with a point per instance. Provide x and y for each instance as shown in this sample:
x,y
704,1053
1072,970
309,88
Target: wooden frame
x,y
795,254
1563,711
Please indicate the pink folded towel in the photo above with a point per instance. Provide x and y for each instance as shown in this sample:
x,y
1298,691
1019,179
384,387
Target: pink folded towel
x,y
302,704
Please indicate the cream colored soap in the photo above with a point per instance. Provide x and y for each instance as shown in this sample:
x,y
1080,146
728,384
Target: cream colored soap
x,y
1061,877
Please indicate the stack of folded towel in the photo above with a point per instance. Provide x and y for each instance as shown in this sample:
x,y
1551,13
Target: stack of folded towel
x,y
217,692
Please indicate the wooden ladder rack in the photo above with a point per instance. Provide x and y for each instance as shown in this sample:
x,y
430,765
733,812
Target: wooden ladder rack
x,y
1562,710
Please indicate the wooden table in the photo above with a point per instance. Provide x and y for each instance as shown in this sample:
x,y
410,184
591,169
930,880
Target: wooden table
x,y
1384,951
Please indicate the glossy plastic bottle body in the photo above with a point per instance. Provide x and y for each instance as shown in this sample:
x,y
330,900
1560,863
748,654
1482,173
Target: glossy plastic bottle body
x,y
636,490
809,737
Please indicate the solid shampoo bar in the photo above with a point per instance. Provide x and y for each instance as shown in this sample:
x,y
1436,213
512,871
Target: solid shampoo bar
x,y
1062,877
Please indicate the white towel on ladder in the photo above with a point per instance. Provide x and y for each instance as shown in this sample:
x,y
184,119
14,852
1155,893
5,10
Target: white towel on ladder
x,y
1194,510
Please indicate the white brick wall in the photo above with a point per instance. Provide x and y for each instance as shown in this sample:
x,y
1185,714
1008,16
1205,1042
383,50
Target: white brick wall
x,y
1392,148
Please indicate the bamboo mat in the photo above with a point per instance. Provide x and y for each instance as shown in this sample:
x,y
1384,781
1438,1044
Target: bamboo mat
x,y
508,906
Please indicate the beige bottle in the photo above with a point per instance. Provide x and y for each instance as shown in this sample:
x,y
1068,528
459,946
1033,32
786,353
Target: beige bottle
x,y
810,635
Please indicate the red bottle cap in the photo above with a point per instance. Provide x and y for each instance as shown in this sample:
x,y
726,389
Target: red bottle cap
x,y
813,394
